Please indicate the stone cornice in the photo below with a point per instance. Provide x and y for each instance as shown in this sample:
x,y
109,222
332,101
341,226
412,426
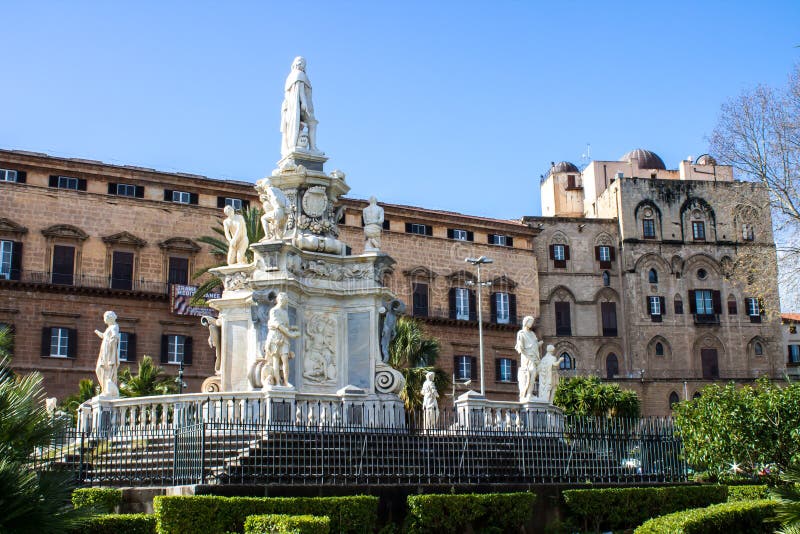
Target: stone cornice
x,y
65,231
124,238
180,244
7,226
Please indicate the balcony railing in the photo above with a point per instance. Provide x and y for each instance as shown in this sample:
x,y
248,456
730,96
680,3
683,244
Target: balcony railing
x,y
706,319
88,281
444,313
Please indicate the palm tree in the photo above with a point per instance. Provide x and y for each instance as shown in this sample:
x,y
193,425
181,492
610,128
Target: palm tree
x,y
414,354
150,380
86,390
31,501
6,342
788,496
219,248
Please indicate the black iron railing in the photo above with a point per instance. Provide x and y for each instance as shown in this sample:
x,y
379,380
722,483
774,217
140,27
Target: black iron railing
x,y
482,447
88,281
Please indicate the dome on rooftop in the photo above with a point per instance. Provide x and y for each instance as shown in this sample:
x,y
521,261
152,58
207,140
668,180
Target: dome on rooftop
x,y
706,159
564,166
647,159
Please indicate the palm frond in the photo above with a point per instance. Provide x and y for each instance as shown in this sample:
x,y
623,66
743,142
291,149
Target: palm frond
x,y
414,354
788,497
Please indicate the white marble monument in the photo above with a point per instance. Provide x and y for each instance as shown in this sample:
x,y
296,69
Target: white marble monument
x,y
236,234
430,402
108,359
528,346
373,226
548,375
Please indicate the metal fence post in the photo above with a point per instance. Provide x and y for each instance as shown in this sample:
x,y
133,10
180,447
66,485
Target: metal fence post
x,y
203,452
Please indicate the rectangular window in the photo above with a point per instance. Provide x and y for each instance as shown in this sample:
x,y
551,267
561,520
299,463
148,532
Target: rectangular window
x,y
605,253
678,307
558,253
463,367
563,321
6,250
608,310
176,346
7,175
752,307
655,305
67,182
794,353
126,190
502,303
698,230
747,232
63,265
178,271
460,235
123,346
235,203
59,342
462,303
501,240
181,197
649,228
505,370
122,270
704,303
419,229
420,299
572,183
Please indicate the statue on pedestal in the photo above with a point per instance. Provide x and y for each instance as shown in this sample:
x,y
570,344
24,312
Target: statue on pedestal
x,y
275,206
373,225
430,405
276,348
528,347
297,112
392,310
548,374
236,234
108,359
214,336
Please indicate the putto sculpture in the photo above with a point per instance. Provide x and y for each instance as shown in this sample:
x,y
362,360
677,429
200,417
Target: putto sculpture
x,y
528,347
108,359
236,234
298,124
548,374
373,226
277,347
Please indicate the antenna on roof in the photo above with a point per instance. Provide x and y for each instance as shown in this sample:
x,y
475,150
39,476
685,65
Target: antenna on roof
x,y
586,157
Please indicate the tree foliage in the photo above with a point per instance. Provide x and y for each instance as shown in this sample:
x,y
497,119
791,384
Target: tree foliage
x,y
732,432
219,248
30,501
86,390
151,379
6,342
588,396
414,354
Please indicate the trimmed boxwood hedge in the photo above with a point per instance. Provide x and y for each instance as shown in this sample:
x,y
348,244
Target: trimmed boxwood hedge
x,y
208,514
104,500
623,508
741,517
499,512
287,524
747,493
120,524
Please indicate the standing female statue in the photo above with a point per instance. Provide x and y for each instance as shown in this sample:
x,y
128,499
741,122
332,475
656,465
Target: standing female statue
x,y
108,360
528,346
430,404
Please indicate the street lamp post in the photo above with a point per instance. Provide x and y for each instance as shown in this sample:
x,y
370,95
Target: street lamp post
x,y
478,262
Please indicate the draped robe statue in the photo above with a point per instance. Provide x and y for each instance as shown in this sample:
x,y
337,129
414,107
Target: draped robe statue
x,y
297,111
108,359
528,347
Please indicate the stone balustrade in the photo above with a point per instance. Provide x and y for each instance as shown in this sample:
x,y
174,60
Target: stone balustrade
x,y
476,412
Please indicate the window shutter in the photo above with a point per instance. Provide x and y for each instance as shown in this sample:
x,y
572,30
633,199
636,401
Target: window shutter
x,y
692,302
490,238
493,307
647,306
22,177
46,341
220,202
512,308
450,233
509,241
566,252
513,370
187,351
246,206
164,345
470,236
597,253
473,309
408,228
473,367
497,369
194,198
663,305
16,260
138,191
455,366
112,188
552,252
612,254
131,347
428,229
53,181
716,299
451,295
168,195
386,225
81,184
72,343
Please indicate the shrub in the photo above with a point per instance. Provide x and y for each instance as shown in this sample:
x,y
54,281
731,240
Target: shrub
x,y
500,512
743,517
621,508
103,500
121,524
207,514
286,524
747,493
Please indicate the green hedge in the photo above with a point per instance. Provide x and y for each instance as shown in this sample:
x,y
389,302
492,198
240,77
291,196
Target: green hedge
x,y
490,512
206,514
743,517
623,508
747,493
104,500
120,524
287,524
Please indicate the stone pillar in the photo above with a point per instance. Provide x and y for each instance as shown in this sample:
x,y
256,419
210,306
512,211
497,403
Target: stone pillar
x,y
280,405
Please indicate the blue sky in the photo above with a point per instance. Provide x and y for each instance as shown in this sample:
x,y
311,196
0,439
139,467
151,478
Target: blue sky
x,y
447,105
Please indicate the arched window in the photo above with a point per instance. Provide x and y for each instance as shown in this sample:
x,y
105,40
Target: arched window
x,y
678,305
659,349
612,365
758,349
653,276
606,279
696,395
567,362
673,399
